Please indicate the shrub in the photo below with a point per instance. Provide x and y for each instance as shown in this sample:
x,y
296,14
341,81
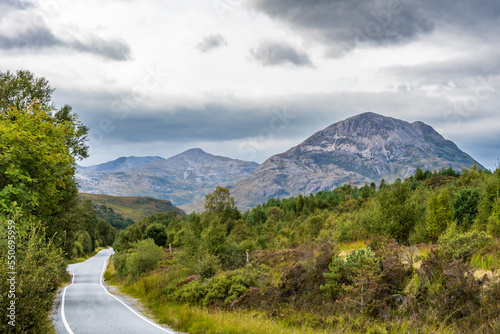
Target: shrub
x,y
120,263
158,233
221,290
462,246
143,257
208,266
40,268
233,256
456,294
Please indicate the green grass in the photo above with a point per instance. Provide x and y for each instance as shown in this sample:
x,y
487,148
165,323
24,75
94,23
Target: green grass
x,y
486,262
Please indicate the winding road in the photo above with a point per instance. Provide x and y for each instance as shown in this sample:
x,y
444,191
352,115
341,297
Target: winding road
x,y
87,307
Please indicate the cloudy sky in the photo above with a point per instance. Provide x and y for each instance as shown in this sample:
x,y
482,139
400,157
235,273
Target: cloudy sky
x,y
252,78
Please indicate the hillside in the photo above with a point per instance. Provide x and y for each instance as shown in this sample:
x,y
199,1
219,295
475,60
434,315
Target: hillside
x,y
135,208
362,149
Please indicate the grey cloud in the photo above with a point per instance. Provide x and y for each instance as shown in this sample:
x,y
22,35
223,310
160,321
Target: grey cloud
x,y
114,49
275,54
211,42
211,122
33,37
452,72
14,4
30,31
344,25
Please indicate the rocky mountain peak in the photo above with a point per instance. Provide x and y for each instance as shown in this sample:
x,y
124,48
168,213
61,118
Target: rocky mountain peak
x,y
361,149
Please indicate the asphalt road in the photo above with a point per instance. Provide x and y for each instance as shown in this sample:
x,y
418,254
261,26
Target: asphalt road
x,y
87,307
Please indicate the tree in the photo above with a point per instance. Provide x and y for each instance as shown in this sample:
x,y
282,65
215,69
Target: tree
x,y
419,175
439,213
494,220
20,91
221,205
466,207
36,166
213,238
356,277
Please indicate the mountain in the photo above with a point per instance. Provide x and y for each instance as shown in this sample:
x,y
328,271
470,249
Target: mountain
x,y
181,179
122,163
135,208
362,149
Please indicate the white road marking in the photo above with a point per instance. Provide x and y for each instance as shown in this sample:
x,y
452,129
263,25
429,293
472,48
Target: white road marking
x,y
62,307
131,310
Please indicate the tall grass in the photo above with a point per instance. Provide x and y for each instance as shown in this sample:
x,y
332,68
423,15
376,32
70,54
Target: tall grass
x,y
194,319
486,262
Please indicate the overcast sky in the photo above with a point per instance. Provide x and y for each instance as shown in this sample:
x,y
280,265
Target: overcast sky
x,y
252,78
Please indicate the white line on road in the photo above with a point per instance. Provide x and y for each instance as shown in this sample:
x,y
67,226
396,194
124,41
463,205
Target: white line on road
x,y
131,310
62,306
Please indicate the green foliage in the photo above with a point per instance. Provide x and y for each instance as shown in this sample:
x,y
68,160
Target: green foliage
x,y
158,233
220,290
398,284
143,257
39,268
463,246
36,165
313,226
466,207
111,217
494,219
213,238
19,91
440,213
120,263
356,277
220,204
208,266
39,146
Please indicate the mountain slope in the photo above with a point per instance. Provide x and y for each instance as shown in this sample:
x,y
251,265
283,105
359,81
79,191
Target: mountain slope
x,y
135,208
181,179
361,149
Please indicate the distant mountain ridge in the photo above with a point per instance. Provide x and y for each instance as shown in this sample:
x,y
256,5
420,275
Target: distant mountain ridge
x,y
181,179
362,149
122,163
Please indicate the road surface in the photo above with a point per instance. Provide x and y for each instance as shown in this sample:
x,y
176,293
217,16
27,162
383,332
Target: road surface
x,y
86,306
